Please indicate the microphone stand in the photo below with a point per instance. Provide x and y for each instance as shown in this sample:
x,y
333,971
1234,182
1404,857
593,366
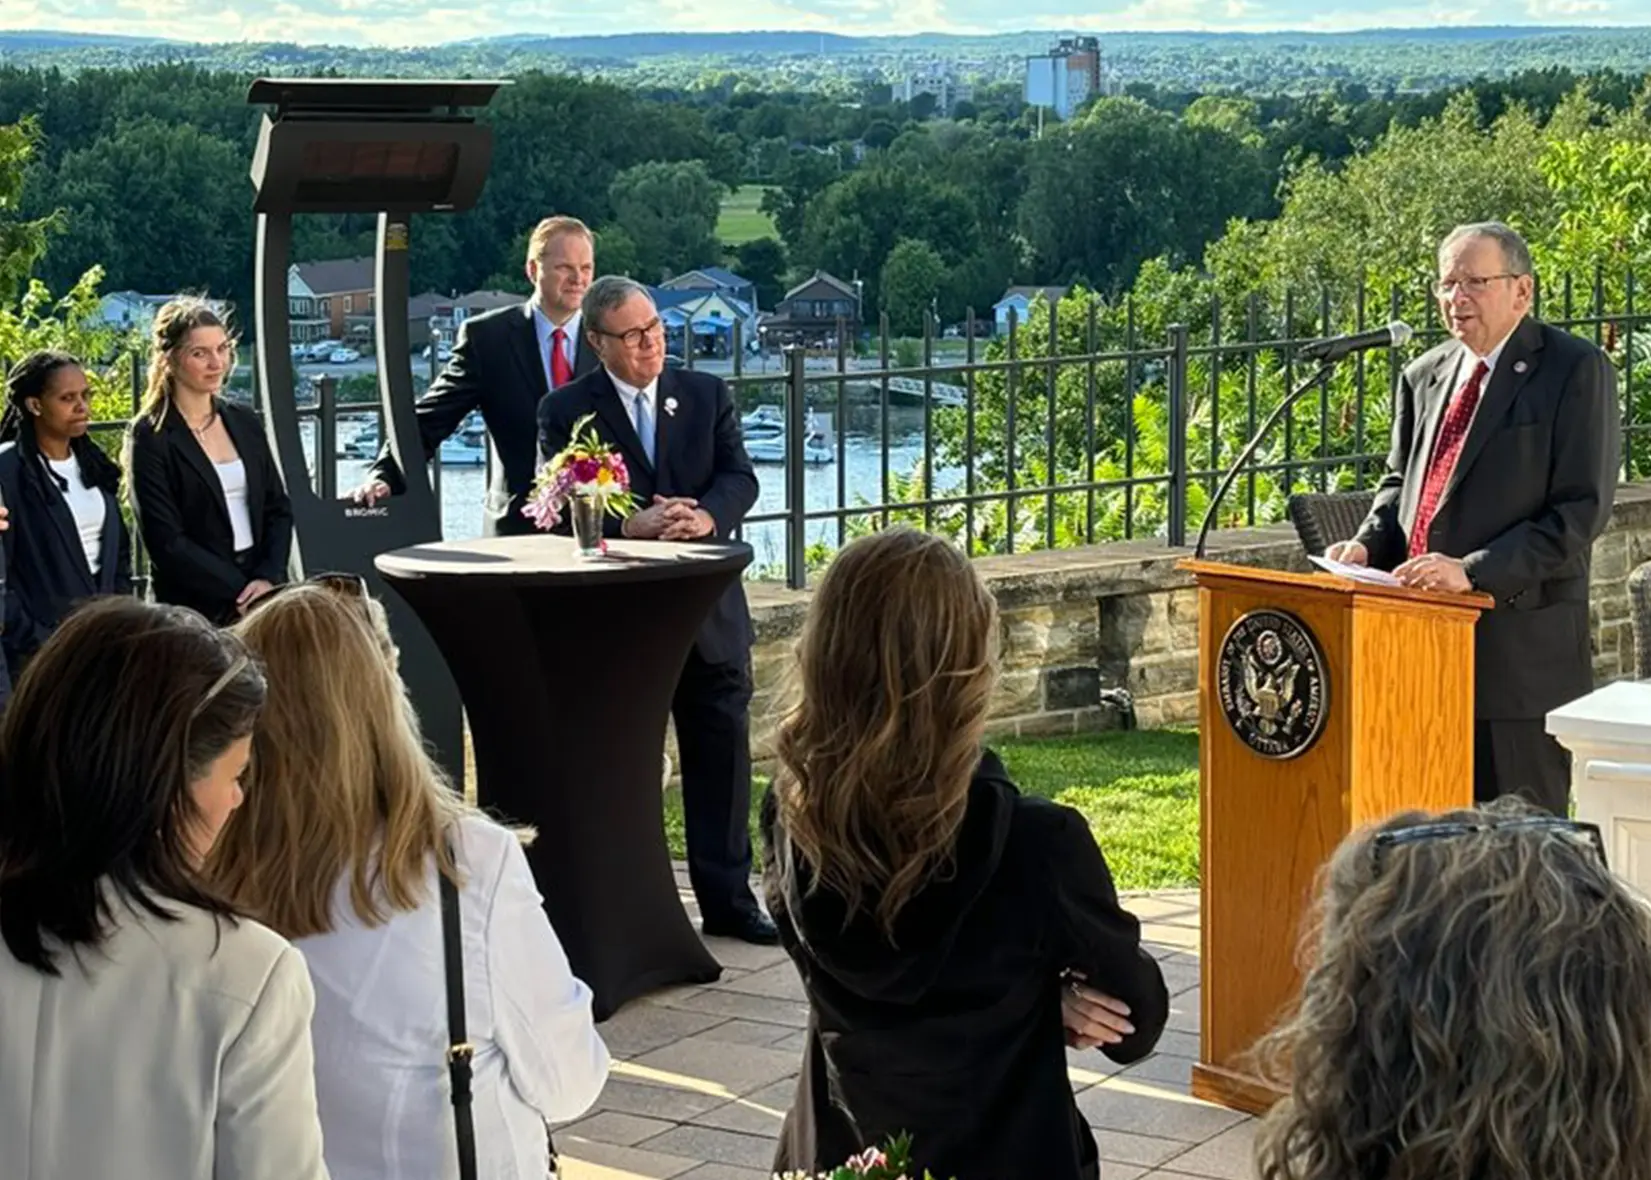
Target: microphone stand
x,y
1325,368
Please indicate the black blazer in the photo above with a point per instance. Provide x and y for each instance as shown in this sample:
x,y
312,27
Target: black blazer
x,y
700,454
46,563
952,1033
495,366
183,518
1532,489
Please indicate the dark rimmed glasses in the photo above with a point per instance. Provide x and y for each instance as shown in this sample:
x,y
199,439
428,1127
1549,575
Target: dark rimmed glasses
x,y
1584,833
344,585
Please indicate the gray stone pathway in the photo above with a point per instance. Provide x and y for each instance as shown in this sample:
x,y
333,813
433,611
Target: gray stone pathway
x,y
703,1075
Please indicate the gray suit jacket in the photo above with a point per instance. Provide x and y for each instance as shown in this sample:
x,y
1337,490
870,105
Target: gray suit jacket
x,y
1532,489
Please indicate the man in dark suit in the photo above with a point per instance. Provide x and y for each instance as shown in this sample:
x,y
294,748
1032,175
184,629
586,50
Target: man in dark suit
x,y
503,362
680,438
1506,447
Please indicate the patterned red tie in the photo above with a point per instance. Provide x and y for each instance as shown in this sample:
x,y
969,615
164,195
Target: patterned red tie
x,y
1453,431
560,371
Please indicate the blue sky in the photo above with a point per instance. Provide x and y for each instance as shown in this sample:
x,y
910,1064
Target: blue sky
x,y
424,22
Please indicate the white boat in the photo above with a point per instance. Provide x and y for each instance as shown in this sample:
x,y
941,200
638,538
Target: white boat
x,y
763,422
772,450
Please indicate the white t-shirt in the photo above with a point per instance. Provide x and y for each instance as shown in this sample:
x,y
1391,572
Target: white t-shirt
x,y
86,505
233,477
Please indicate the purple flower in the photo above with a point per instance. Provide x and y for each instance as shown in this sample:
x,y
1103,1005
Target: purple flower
x,y
584,470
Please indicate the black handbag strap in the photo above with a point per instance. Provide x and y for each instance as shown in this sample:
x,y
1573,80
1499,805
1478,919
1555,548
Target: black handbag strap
x,y
459,1049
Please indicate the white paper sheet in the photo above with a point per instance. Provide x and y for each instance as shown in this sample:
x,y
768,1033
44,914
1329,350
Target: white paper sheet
x,y
1358,573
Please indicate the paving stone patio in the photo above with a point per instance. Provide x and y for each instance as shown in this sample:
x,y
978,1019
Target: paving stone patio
x,y
703,1075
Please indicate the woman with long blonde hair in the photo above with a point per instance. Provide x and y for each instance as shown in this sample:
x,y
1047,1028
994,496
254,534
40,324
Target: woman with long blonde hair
x,y
940,920
1475,1009
208,497
347,823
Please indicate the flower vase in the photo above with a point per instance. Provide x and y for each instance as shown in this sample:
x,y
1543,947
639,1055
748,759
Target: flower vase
x,y
587,512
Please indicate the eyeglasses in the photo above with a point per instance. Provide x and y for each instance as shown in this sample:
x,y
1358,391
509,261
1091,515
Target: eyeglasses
x,y
1587,834
634,337
1473,285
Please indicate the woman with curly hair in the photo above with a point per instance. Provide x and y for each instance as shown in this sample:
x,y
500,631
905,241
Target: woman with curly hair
x,y
1476,1010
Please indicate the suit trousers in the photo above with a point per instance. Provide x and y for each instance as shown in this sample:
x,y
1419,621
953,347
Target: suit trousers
x,y
1520,758
712,712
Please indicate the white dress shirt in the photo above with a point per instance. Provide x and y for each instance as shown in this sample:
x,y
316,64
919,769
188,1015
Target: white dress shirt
x,y
1464,374
381,1026
179,1050
543,330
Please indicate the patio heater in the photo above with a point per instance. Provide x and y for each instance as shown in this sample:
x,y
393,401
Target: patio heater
x,y
395,148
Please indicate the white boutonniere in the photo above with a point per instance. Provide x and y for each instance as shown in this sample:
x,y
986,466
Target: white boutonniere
x,y
670,406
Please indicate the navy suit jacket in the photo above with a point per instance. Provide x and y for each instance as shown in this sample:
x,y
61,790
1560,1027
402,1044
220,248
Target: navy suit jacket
x,y
698,453
495,368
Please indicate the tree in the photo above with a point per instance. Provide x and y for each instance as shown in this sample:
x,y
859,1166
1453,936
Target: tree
x,y
762,262
616,252
853,226
910,283
800,176
22,241
670,212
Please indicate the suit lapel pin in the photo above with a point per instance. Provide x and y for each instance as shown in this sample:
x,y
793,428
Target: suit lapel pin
x,y
670,406
1520,366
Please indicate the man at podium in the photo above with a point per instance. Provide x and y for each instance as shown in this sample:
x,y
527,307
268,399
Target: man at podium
x,y
1502,473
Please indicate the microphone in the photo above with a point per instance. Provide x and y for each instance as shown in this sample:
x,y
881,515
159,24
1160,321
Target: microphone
x,y
1327,352
1333,348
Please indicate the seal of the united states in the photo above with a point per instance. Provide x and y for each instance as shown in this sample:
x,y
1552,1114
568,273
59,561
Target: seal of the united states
x,y
1272,683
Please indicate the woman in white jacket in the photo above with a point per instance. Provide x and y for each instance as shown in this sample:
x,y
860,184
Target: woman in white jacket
x,y
145,1030
346,826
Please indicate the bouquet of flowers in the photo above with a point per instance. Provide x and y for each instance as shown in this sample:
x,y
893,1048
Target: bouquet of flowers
x,y
588,470
890,1162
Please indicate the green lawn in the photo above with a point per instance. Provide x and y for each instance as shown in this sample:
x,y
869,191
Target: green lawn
x,y
1137,789
740,220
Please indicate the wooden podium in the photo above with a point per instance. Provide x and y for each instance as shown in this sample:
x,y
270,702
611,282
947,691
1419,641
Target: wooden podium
x,y
1325,704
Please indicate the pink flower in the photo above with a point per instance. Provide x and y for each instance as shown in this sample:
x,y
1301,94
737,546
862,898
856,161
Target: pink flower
x,y
867,1160
584,470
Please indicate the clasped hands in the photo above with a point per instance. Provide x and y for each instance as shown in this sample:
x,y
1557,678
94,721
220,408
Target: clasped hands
x,y
669,518
1429,571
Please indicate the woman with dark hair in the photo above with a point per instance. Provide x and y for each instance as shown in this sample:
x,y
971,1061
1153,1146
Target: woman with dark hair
x,y
210,504
1475,1009
63,491
940,920
144,1028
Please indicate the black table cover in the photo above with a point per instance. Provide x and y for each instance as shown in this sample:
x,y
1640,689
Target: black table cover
x,y
566,666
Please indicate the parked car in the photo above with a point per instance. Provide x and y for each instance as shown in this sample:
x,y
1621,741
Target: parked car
x,y
343,356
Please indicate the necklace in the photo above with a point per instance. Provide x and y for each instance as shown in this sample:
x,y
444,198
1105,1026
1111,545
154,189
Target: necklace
x,y
205,426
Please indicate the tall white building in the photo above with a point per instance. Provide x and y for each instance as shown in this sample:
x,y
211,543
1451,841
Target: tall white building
x,y
938,81
1066,77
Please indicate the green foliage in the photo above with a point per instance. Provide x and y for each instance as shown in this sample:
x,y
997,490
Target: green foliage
x,y
741,219
22,241
670,212
910,281
37,320
761,262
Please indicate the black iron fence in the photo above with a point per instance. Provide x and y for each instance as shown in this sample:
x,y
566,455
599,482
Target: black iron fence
x,y
1089,422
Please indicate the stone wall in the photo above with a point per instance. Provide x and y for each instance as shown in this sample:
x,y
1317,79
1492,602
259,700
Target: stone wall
x,y
1079,624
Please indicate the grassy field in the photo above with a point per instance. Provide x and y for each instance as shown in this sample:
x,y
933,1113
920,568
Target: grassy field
x,y
1137,789
740,220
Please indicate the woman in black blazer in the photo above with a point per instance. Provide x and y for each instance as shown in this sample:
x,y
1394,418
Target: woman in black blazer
x,y
209,500
68,541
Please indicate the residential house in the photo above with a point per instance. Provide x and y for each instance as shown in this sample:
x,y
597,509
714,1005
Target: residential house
x,y
327,299
703,321
812,310
135,311
714,278
1020,300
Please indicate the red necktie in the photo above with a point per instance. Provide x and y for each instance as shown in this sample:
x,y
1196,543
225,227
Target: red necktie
x,y
1453,431
560,371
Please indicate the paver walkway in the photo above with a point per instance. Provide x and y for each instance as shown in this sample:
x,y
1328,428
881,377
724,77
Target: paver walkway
x,y
703,1075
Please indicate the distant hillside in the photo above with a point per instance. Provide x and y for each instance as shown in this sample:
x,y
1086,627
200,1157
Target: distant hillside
x,y
1397,60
